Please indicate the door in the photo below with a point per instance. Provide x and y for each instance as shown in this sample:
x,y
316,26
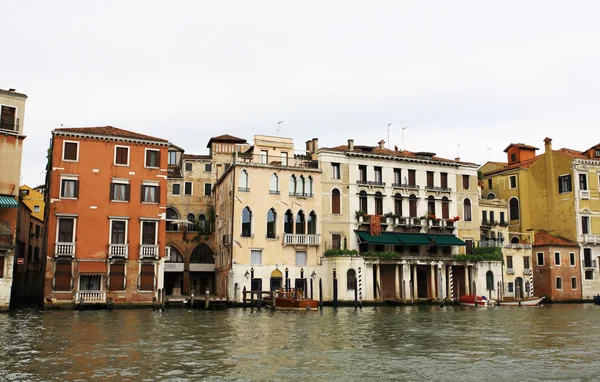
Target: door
x,y
519,292
422,289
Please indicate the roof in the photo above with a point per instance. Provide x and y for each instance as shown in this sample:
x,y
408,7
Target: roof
x,y
574,153
521,165
543,238
401,153
108,131
12,93
195,157
521,146
225,138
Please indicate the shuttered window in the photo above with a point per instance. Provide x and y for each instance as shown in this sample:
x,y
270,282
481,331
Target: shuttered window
x,y
7,118
429,178
466,181
70,151
147,277
335,201
117,277
152,158
65,230
122,155
412,177
62,277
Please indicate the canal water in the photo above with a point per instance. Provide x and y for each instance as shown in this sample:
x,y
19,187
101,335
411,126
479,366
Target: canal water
x,y
552,342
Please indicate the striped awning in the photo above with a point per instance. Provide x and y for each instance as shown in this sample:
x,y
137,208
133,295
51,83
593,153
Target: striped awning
x,y
8,202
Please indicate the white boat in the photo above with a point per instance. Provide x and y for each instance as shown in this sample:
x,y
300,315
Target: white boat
x,y
531,301
472,300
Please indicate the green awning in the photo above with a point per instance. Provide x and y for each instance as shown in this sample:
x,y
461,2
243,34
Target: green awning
x,y
414,239
447,240
8,202
384,238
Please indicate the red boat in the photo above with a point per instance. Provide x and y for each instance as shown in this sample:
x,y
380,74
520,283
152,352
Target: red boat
x,y
472,300
293,299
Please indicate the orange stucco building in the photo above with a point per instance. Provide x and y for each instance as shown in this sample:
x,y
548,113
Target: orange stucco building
x,y
105,210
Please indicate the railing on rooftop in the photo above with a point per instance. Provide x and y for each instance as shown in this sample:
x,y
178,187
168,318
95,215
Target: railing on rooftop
x,y
301,161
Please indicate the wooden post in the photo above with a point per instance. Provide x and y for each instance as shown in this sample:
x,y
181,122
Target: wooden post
x,y
244,298
335,293
251,299
311,288
207,298
260,299
355,297
321,294
192,301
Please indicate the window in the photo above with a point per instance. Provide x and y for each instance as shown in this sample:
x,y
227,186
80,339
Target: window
x,y
398,205
585,225
512,181
69,188
540,258
467,210
378,175
271,224
429,178
300,186
397,176
509,262
573,282
202,224
412,177
170,216
362,173
312,223
564,184
412,206
572,259
335,201
246,222
511,287
492,221
150,193
244,181
36,209
152,158
256,256
284,159
513,207
119,192
8,118
362,201
121,155
70,151
264,156
147,277
597,153
202,254
559,283
336,241
192,219
466,181
288,222
300,257
149,232
207,189
513,157
176,189
378,203
309,186
300,223
293,185
556,258
351,279
583,182
587,258
589,274
489,280
118,231
502,218
445,208
62,276
66,230
484,219
207,167
444,179
526,263
172,158
187,190
430,205
490,184
188,166
116,280
335,171
274,185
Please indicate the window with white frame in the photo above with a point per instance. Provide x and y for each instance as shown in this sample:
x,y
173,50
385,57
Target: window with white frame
x,y
150,192
118,231
557,258
256,256
573,282
70,151
564,184
121,155
512,180
172,159
207,189
149,234
188,166
36,209
69,187
335,171
284,158
540,258
572,259
65,230
119,190
152,158
207,167
188,189
585,225
559,283
300,257
583,183
176,190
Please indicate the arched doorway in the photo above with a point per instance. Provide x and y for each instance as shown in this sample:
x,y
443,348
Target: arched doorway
x,y
276,280
489,280
519,292
202,270
422,288
174,273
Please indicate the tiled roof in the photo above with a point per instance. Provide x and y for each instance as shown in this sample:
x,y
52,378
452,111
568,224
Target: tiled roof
x,y
194,157
108,131
543,238
521,146
225,138
573,153
521,165
174,172
394,153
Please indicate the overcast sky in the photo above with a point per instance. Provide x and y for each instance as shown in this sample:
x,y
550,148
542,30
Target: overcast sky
x,y
477,74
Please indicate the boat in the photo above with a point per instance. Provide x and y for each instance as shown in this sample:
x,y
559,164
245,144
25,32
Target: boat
x,y
472,300
293,299
530,301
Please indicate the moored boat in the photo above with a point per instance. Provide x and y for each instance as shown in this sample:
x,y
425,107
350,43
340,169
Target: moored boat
x,y
293,299
531,301
472,300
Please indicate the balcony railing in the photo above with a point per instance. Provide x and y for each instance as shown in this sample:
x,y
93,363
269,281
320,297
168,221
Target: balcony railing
x,y
518,246
490,243
527,271
584,194
300,239
510,271
589,263
118,250
370,183
302,194
64,249
591,239
406,185
438,189
90,297
301,161
148,251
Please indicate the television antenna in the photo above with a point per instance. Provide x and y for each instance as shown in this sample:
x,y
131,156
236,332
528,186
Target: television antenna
x,y
404,128
388,130
278,123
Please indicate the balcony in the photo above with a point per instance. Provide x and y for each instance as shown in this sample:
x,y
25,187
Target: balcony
x,y
490,243
300,239
527,271
510,271
589,264
373,183
302,194
148,251
584,194
405,186
590,239
90,297
64,249
118,250
438,189
518,246
298,161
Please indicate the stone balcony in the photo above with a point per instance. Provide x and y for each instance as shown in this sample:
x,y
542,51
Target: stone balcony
x,y
301,239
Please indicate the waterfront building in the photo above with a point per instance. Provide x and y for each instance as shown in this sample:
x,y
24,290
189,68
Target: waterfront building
x,y
28,274
556,191
267,220
12,113
190,267
400,211
105,216
557,272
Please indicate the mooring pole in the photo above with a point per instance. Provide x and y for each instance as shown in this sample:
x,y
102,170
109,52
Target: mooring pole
x,y
321,294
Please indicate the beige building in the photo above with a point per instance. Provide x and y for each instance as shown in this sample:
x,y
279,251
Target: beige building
x,y
267,220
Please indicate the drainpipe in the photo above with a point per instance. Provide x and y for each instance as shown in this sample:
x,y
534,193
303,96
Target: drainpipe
x,y
550,182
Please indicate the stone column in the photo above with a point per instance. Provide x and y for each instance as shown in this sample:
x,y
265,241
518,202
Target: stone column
x,y
467,283
432,281
378,278
397,282
414,282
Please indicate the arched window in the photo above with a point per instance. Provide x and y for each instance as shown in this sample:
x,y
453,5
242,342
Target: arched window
x,y
491,196
335,201
445,208
309,186
467,213
288,222
514,240
492,235
293,185
300,223
489,280
274,185
500,237
514,209
202,223
430,205
300,187
398,205
412,206
172,215
271,224
202,254
362,201
175,256
378,203
244,182
312,223
351,279
246,222
191,218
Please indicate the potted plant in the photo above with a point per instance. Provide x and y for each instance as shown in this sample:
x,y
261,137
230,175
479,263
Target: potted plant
x,y
389,217
360,215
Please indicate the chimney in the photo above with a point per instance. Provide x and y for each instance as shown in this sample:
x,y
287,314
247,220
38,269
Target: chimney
x,y
550,222
315,145
547,145
308,146
457,159
351,144
381,144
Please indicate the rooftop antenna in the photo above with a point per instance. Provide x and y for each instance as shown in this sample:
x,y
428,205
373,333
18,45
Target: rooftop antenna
x,y
489,150
388,129
278,123
458,151
404,128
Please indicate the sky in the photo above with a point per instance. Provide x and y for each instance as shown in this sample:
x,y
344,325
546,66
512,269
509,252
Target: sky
x,y
466,78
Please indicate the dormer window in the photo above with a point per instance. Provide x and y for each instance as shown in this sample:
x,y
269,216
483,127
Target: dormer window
x,y
597,153
513,158
8,118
